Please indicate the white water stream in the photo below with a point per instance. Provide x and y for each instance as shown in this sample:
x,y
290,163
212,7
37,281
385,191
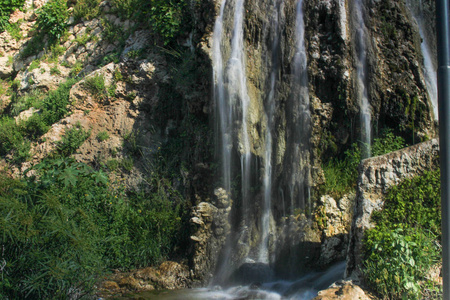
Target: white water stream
x,y
361,69
429,70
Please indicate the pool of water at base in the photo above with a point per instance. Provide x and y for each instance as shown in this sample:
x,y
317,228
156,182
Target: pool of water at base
x,y
304,288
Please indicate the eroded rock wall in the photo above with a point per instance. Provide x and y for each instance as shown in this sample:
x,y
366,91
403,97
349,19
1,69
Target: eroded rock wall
x,y
377,174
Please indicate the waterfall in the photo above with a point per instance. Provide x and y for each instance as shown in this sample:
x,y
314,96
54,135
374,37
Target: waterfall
x,y
301,105
270,110
428,62
231,98
223,111
361,70
231,105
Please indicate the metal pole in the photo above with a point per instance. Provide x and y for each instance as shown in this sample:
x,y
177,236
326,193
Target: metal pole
x,y
443,73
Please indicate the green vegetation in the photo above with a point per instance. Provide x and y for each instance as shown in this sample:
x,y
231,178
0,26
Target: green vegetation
x,y
96,86
68,224
15,137
6,8
52,17
341,174
86,9
102,136
404,244
12,140
34,65
166,18
14,30
72,140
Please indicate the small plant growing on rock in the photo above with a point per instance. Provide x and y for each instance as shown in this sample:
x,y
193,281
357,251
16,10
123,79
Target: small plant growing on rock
x,y
96,85
102,136
14,30
55,71
86,9
34,65
72,140
76,69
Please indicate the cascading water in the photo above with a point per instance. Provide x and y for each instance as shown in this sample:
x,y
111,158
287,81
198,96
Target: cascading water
x,y
429,67
302,125
270,110
361,70
232,104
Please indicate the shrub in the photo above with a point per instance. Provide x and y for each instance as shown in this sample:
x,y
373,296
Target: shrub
x,y
52,17
72,140
6,8
65,226
403,246
12,140
96,86
166,18
14,30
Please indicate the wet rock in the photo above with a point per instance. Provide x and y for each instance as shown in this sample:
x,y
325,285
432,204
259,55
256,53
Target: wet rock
x,y
255,273
110,285
210,227
343,291
130,283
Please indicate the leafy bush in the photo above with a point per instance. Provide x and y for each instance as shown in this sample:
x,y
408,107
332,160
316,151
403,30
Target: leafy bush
x,y
14,30
166,18
403,246
65,226
6,8
125,8
53,108
52,17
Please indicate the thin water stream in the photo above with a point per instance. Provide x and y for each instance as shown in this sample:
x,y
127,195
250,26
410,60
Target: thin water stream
x,y
361,69
429,65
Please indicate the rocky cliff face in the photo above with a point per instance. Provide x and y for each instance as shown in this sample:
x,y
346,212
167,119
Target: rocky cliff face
x,y
397,95
377,174
157,98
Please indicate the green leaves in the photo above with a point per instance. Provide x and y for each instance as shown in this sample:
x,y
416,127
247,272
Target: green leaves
x,y
6,8
52,17
403,246
68,223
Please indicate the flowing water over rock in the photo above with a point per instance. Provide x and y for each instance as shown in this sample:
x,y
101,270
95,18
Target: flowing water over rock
x,y
429,60
304,288
361,70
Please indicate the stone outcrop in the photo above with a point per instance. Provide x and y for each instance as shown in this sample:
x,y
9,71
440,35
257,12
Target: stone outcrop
x,y
343,290
169,275
210,229
377,174
335,218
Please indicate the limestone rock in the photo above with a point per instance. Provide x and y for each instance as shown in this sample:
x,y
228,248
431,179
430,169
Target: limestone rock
x,y
6,68
343,291
210,227
377,174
